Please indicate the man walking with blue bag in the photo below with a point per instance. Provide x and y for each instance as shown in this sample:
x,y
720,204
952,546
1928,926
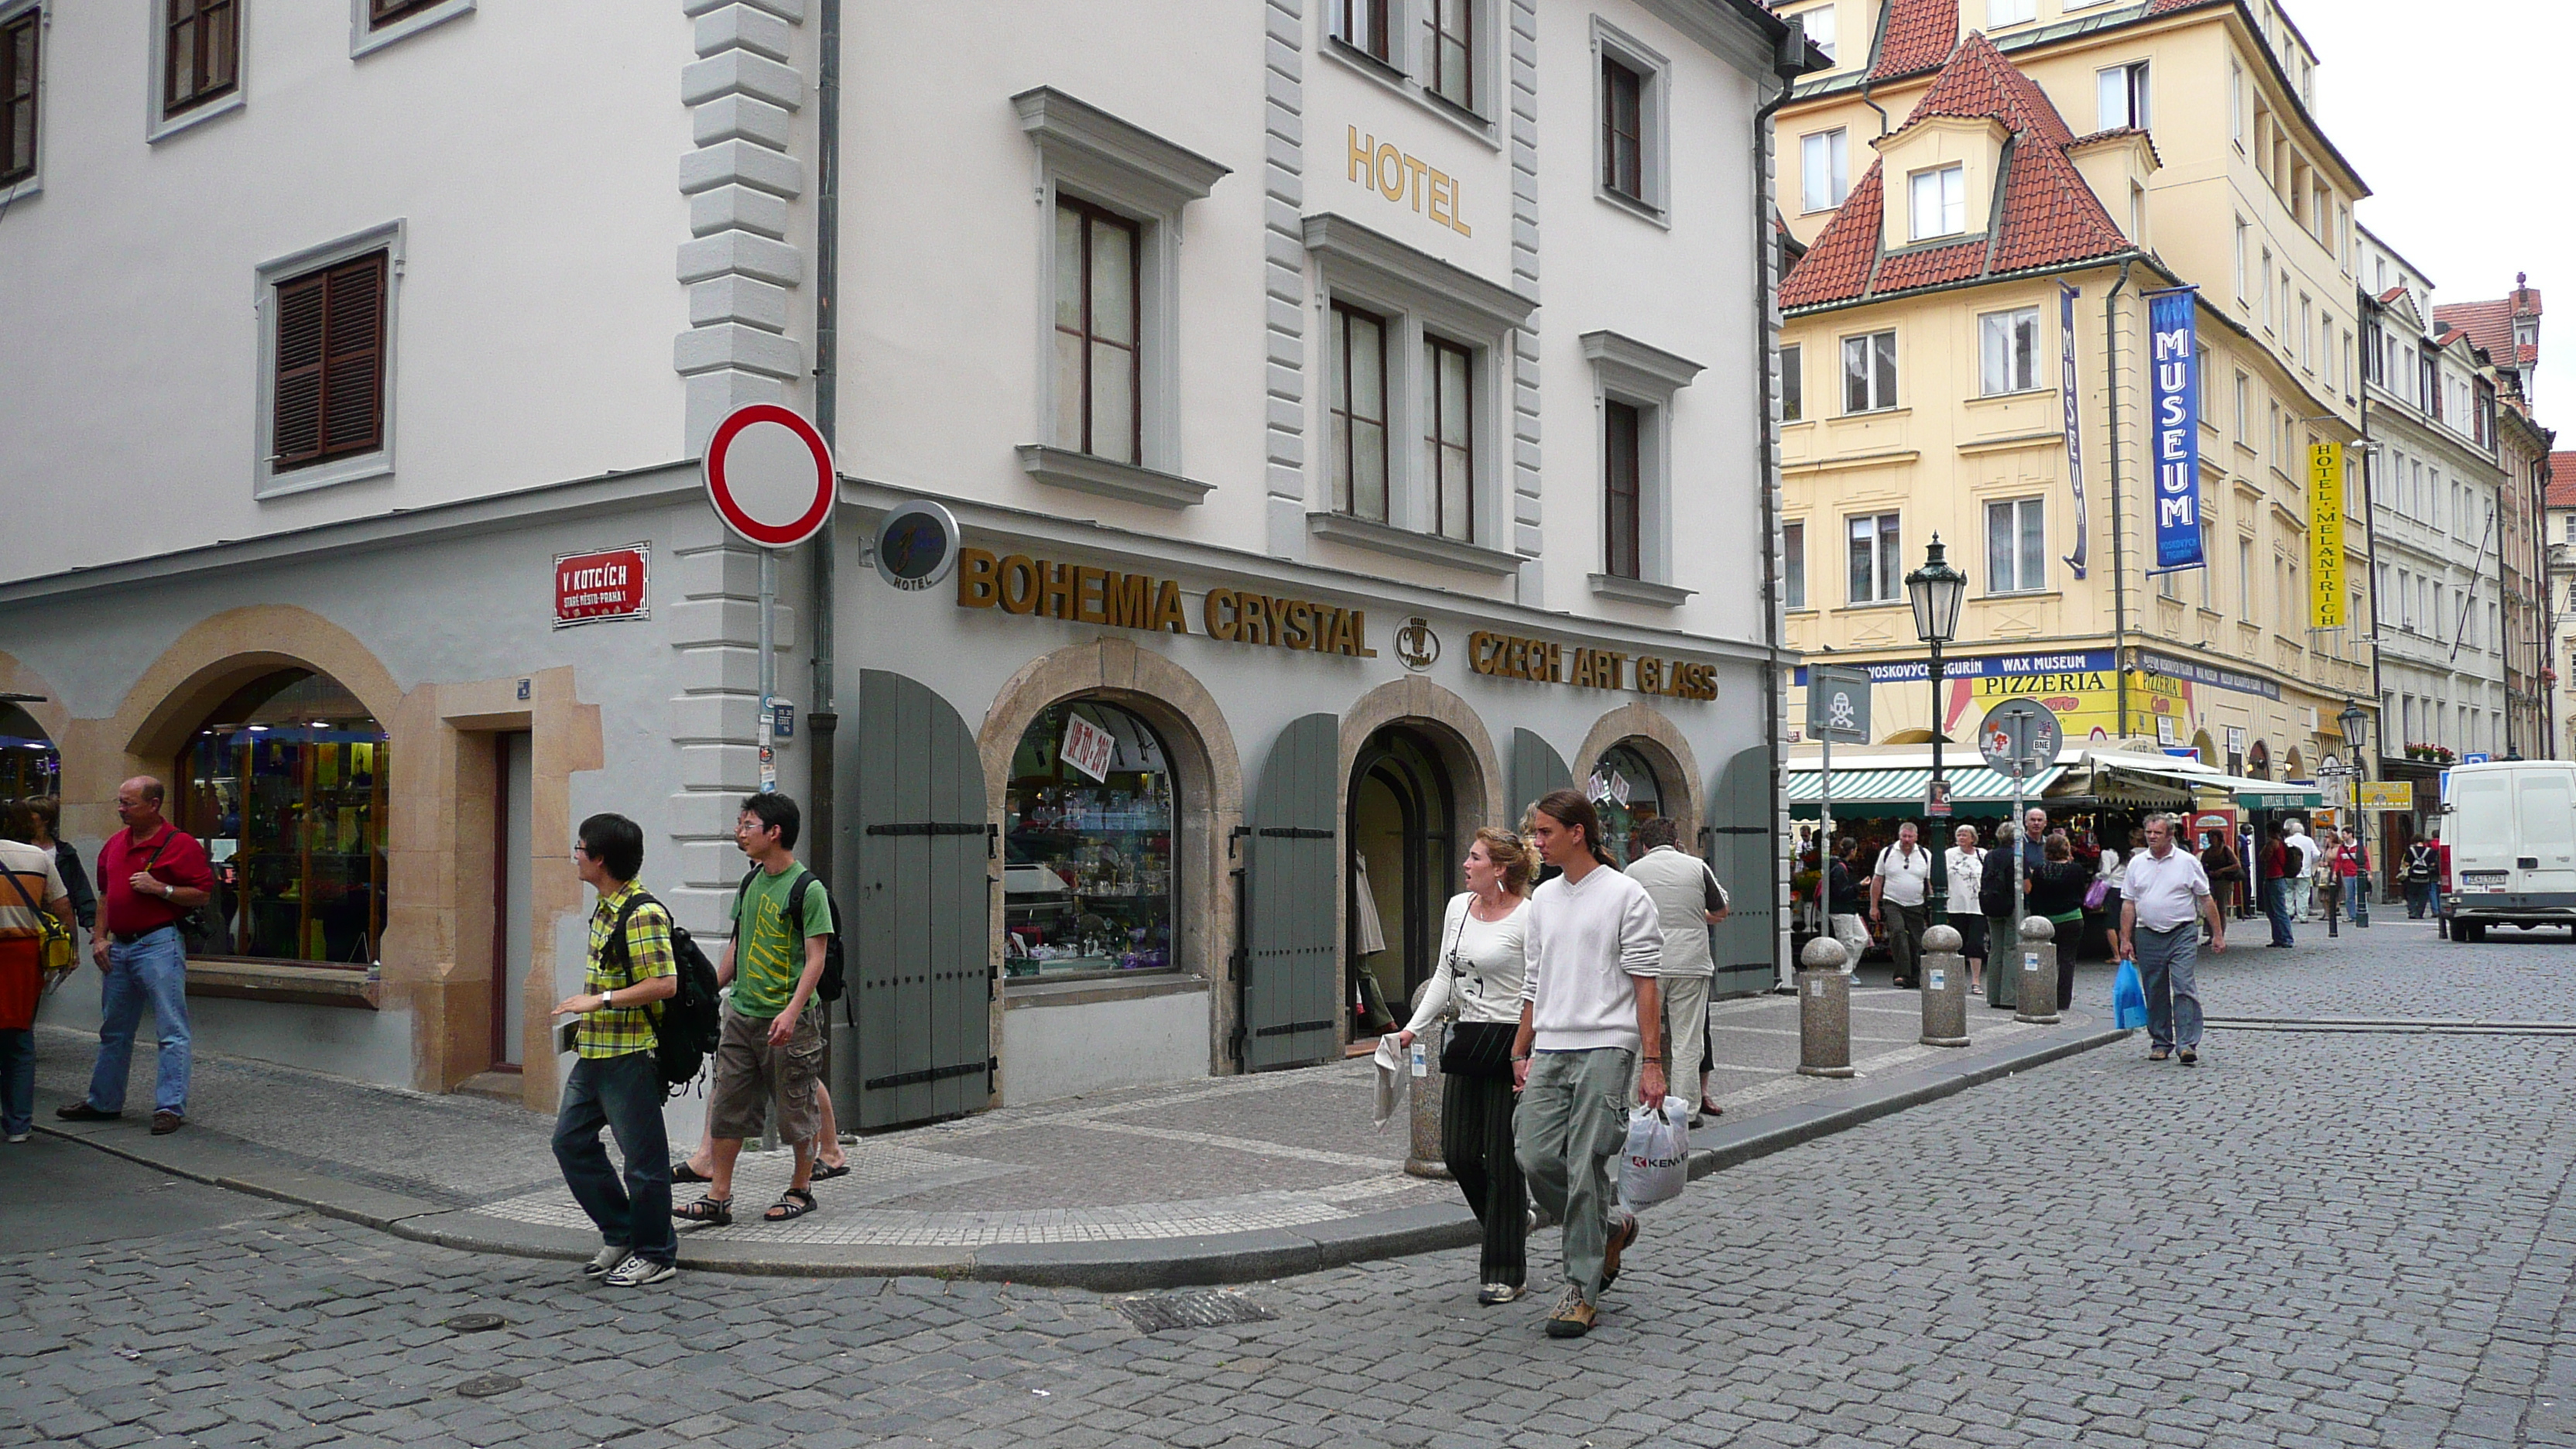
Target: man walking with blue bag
x,y
2165,892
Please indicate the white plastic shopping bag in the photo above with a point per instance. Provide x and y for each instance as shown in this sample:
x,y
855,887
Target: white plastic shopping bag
x,y
1391,1073
1656,1165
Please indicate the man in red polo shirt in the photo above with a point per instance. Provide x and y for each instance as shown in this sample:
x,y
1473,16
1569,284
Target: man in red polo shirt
x,y
150,874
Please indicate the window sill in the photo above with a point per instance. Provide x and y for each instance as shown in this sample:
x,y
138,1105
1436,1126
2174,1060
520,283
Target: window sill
x,y
1018,995
366,37
2018,596
1404,543
1870,608
1636,206
1384,73
165,127
353,469
17,191
1640,591
283,982
1110,479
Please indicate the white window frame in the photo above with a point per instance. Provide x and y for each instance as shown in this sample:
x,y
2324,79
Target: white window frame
x,y
35,180
1997,585
266,482
2245,578
1989,324
1654,122
1407,65
1648,379
364,40
1950,202
1877,404
2000,13
1793,564
1088,155
2236,127
158,123
1881,567
1836,164
1831,41
2244,229
2137,105
1793,379
1417,293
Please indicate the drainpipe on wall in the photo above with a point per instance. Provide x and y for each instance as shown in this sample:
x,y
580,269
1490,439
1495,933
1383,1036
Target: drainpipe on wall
x,y
2370,524
1788,62
823,719
2119,516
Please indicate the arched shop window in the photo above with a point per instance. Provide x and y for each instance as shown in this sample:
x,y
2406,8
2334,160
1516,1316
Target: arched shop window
x,y
29,764
1624,791
285,783
1087,847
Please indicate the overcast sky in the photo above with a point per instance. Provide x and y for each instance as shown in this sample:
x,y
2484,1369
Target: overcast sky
x,y
2455,115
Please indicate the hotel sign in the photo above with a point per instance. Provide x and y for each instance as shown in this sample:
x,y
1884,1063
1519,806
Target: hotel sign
x,y
2325,537
1391,172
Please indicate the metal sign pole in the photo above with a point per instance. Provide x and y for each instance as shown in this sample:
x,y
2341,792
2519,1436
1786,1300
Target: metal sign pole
x,y
2021,761
768,668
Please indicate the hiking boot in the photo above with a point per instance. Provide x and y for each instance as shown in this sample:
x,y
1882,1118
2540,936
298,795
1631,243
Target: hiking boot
x,y
1623,1233
607,1262
1572,1317
165,1123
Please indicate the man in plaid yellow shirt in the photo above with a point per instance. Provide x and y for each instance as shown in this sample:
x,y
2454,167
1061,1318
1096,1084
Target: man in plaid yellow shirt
x,y
616,1082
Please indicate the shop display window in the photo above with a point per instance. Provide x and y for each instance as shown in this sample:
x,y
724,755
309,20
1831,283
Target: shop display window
x,y
285,783
1087,881
1623,789
29,765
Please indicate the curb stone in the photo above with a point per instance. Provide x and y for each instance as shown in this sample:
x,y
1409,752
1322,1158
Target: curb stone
x,y
1117,1266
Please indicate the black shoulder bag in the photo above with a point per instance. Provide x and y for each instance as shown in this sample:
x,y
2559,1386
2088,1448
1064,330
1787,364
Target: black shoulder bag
x,y
1474,1049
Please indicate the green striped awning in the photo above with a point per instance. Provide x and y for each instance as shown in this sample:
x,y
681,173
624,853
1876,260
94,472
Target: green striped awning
x,y
1902,788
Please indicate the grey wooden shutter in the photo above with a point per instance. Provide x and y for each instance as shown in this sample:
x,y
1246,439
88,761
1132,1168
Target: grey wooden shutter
x,y
920,946
1290,972
1741,842
1535,769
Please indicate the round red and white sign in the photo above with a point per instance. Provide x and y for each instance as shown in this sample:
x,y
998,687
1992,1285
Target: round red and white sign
x,y
769,475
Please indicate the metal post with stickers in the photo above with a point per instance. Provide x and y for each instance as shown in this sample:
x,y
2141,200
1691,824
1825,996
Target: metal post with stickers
x,y
2019,738
1837,708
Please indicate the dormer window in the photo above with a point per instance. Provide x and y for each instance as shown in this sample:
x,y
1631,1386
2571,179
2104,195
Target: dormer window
x,y
2123,90
2000,13
1821,29
1940,202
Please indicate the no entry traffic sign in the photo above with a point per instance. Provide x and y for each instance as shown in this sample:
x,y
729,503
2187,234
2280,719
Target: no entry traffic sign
x,y
769,475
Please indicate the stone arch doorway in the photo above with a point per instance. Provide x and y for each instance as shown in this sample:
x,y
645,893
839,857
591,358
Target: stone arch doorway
x,y
1401,823
1639,739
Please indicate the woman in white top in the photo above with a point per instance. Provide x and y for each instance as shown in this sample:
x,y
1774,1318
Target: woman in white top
x,y
1484,957
1966,865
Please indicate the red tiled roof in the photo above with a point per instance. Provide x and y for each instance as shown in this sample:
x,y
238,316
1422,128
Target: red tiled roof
x,y
2049,215
2562,480
2490,327
1915,36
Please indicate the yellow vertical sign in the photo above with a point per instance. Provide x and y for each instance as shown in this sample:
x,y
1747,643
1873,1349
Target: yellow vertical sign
x,y
2325,537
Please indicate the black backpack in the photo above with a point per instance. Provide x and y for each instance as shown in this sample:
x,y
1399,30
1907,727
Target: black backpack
x,y
686,1027
829,988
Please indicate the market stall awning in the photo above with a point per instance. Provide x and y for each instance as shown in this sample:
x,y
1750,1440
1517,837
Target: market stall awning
x,y
1864,788
2120,779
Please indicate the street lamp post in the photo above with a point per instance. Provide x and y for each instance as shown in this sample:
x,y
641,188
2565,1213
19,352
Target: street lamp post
x,y
2356,725
1936,589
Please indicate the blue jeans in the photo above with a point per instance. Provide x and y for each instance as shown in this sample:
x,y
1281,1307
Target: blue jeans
x,y
17,1082
624,1095
153,970
2166,967
2276,904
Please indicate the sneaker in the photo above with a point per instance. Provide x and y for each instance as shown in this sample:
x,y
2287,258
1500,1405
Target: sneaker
x,y
1623,1233
1572,1317
84,1112
640,1273
1494,1293
606,1262
15,1138
165,1123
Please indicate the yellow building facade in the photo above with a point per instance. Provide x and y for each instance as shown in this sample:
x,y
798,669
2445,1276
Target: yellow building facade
x,y
2118,150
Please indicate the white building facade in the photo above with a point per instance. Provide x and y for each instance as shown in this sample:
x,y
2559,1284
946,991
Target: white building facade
x,y
1342,457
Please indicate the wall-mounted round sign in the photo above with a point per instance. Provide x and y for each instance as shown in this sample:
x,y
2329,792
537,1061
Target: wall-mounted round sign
x,y
769,475
916,546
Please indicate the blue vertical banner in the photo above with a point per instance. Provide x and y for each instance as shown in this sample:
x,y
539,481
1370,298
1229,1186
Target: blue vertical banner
x,y
2066,296
2173,351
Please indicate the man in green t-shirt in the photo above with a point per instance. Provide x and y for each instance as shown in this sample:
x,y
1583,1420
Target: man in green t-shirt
x,y
771,1053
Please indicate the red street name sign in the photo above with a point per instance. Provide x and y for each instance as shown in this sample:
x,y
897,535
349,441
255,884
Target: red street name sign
x,y
608,584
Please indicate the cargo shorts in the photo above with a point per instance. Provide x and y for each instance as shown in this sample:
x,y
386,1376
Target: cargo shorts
x,y
752,1075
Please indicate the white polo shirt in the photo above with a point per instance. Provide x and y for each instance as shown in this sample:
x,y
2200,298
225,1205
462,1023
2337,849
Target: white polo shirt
x,y
2167,891
1908,877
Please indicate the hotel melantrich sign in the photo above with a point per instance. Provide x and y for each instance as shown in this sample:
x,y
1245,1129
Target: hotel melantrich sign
x,y
1035,588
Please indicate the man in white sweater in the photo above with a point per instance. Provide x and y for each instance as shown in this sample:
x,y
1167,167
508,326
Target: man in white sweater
x,y
1590,1015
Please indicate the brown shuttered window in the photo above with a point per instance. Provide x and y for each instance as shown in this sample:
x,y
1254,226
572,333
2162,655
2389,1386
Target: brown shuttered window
x,y
330,363
18,44
386,12
201,53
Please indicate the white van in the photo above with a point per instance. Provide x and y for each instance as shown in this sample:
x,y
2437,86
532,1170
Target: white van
x,y
2511,827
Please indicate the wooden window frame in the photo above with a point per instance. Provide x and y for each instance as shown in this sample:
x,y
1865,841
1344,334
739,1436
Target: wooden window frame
x,y
1793,383
1093,216
207,18
22,91
1793,564
333,359
1880,360
1435,68
1623,485
1628,180
1886,558
1435,420
1350,17
381,13
1346,457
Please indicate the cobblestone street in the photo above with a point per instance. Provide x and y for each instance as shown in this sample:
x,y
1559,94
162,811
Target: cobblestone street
x,y
2314,1238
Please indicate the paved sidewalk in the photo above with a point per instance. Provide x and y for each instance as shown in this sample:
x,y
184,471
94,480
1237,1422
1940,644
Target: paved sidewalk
x,y
1223,1179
